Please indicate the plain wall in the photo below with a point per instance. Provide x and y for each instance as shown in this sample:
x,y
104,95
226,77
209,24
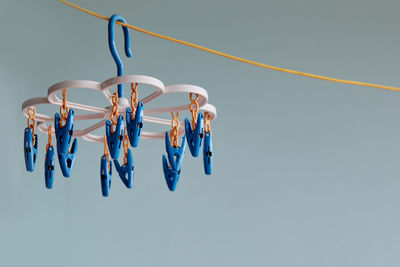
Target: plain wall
x,y
306,172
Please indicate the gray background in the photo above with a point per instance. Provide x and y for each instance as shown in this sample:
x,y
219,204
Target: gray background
x,y
306,172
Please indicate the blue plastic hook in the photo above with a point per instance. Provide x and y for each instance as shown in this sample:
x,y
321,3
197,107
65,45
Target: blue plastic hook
x,y
134,127
64,136
171,176
49,167
175,154
113,50
114,140
195,137
30,150
126,171
105,175
207,153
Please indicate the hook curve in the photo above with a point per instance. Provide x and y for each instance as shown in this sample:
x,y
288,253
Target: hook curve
x,y
111,44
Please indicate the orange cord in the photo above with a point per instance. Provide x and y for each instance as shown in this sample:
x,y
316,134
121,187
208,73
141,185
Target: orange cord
x,y
50,133
134,99
174,131
114,113
207,119
64,109
194,108
243,60
32,122
126,147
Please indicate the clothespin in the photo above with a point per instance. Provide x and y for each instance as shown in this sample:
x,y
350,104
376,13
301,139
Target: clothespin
x,y
194,131
64,133
114,139
30,141
175,153
126,171
105,171
171,176
49,163
194,137
172,166
207,148
30,149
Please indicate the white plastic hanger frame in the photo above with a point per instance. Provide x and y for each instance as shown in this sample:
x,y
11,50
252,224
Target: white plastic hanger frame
x,y
104,113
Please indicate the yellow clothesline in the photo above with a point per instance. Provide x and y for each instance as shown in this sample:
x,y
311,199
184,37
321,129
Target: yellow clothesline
x,y
310,75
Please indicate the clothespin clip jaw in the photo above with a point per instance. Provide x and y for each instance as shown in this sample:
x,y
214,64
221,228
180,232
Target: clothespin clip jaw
x,y
194,137
105,175
49,164
135,126
64,133
114,139
126,171
207,147
67,160
30,140
207,153
171,176
64,136
175,154
30,149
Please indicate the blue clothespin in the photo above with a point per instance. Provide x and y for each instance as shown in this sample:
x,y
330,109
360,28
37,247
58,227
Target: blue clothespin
x,y
126,171
113,50
64,136
195,136
207,153
30,149
114,140
175,154
105,175
171,176
134,127
172,166
49,167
